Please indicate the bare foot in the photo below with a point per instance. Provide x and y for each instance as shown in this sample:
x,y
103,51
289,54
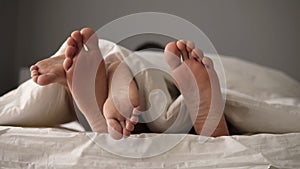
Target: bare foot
x,y
49,71
197,73
121,109
86,76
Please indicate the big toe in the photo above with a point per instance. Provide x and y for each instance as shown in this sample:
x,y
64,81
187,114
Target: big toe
x,y
172,55
115,129
90,38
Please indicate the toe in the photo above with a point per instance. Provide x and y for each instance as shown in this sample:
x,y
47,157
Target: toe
x,y
34,73
135,115
89,38
197,54
70,52
181,44
190,46
172,48
115,129
77,37
172,55
67,64
34,78
131,122
134,119
33,67
129,125
71,42
128,129
207,62
126,133
136,111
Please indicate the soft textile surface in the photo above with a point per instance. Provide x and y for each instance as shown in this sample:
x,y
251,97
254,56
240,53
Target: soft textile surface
x,y
58,148
260,99
34,105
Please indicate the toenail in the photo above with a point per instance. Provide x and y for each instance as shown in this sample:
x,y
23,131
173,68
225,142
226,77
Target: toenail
x,y
134,119
136,112
190,45
183,41
32,67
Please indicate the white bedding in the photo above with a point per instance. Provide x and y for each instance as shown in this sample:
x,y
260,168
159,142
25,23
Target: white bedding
x,y
60,148
259,99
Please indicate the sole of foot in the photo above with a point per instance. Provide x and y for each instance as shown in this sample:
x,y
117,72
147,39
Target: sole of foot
x,y
195,77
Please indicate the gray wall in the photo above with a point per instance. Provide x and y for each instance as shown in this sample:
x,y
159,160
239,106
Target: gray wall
x,y
8,29
262,31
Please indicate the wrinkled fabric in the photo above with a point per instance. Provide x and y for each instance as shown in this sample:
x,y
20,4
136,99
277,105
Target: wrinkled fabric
x,y
60,148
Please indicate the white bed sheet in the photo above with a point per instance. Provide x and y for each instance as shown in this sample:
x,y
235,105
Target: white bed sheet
x,y
61,148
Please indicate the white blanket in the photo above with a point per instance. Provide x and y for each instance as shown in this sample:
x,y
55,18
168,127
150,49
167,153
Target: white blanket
x,y
60,148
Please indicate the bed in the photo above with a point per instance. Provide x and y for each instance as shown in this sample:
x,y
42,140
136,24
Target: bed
x,y
263,117
61,148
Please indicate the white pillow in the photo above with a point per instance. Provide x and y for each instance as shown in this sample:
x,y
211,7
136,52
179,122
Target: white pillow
x,y
260,99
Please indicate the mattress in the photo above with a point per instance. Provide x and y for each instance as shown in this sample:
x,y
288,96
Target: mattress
x,y
63,148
